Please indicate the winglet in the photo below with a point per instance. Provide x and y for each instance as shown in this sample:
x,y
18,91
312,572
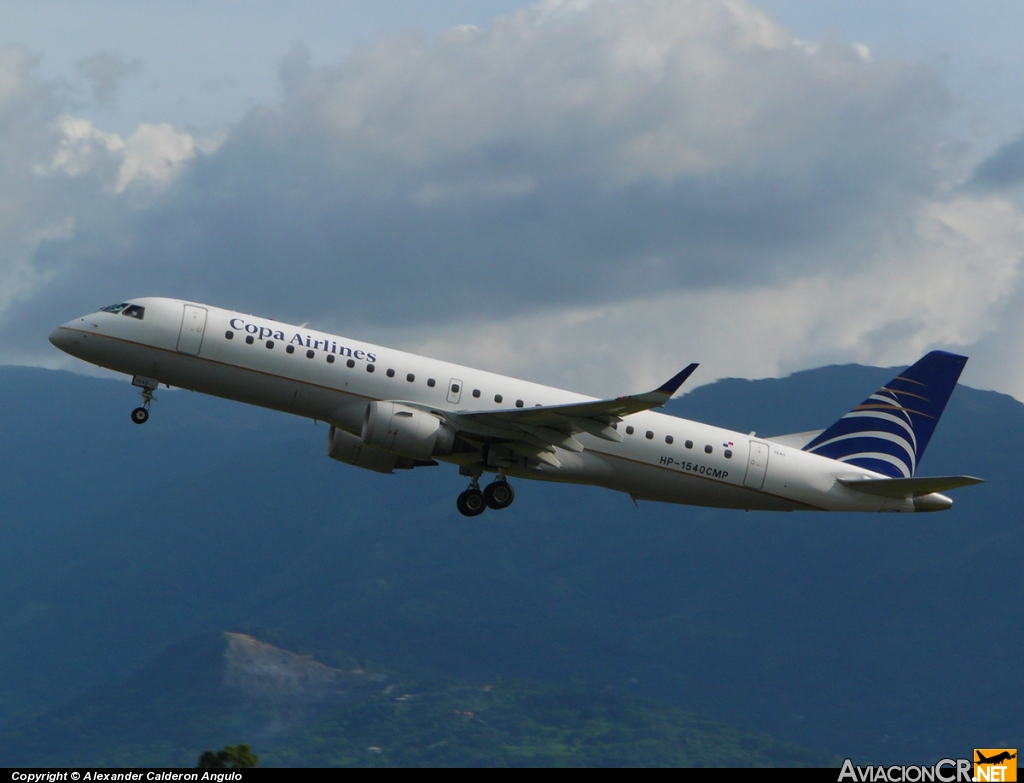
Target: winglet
x,y
672,385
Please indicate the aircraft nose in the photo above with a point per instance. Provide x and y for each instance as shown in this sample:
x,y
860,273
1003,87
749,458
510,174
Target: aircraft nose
x,y
61,338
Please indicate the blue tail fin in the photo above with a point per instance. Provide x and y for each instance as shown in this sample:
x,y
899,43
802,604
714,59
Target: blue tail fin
x,y
888,432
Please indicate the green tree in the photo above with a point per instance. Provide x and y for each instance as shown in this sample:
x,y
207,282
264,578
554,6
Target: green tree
x,y
230,757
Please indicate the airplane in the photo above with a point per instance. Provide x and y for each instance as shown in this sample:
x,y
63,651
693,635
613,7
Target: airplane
x,y
996,759
390,410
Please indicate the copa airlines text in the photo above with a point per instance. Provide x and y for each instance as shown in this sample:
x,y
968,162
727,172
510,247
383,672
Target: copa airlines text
x,y
391,410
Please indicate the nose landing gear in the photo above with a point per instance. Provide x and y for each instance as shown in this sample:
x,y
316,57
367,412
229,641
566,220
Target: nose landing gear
x,y
141,415
498,495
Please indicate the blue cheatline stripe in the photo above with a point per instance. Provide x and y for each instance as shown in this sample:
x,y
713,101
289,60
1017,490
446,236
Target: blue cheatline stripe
x,y
890,430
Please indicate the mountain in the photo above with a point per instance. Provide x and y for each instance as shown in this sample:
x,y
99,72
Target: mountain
x,y
211,690
892,638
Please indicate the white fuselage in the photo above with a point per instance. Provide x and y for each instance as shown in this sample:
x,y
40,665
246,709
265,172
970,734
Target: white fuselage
x,y
702,465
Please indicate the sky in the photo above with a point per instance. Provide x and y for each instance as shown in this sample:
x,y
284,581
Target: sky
x,y
587,193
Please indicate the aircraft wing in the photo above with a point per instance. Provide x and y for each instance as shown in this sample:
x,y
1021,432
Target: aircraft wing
x,y
535,432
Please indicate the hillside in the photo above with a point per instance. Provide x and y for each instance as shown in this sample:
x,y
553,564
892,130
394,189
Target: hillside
x,y
891,638
222,688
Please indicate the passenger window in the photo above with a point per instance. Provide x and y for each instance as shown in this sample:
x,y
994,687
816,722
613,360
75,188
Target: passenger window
x,y
310,354
370,368
249,339
497,398
350,363
689,444
455,388
707,449
410,377
114,308
476,392
728,454
229,335
290,349
270,343
615,425
629,430
135,311
669,439
431,382
391,373
330,358
650,435
519,403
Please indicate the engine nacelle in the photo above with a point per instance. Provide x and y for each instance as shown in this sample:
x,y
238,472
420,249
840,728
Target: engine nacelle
x,y
348,448
410,432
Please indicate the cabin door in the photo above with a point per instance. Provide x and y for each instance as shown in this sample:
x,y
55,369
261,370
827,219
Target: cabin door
x,y
757,465
193,324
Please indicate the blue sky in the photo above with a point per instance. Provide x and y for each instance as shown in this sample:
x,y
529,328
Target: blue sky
x,y
590,194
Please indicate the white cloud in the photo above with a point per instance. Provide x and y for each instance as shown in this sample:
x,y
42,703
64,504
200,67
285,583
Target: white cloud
x,y
154,153
80,148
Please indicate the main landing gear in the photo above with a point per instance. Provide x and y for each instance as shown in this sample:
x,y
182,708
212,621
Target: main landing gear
x,y
497,495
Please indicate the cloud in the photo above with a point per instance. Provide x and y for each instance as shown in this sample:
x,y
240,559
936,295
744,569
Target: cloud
x,y
596,185
105,73
1004,168
949,282
555,158
65,184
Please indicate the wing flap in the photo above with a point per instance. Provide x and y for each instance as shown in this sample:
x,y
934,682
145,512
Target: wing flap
x,y
596,428
908,487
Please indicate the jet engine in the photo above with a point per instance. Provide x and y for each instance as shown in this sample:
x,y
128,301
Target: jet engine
x,y
350,449
409,432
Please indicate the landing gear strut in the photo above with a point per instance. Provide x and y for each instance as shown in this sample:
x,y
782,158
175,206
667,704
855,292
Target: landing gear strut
x,y
141,415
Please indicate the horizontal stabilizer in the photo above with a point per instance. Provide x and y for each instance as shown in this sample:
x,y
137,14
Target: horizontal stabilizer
x,y
908,487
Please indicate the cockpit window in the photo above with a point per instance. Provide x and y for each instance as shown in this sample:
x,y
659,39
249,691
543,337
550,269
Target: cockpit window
x,y
114,308
135,311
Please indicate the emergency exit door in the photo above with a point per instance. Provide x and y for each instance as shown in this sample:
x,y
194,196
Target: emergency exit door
x,y
757,465
193,324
